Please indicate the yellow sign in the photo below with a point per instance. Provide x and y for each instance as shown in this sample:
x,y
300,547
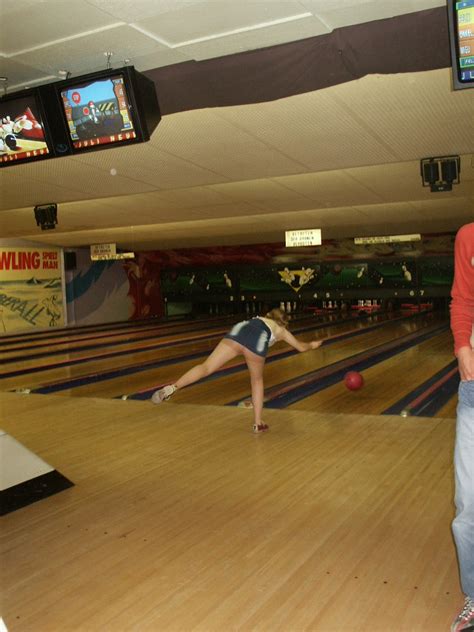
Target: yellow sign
x,y
102,249
31,292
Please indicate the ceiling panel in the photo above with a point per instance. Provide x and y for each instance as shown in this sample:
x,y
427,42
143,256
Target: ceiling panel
x,y
148,164
265,194
23,74
346,12
416,114
332,188
88,51
211,19
313,129
301,28
44,22
206,139
140,10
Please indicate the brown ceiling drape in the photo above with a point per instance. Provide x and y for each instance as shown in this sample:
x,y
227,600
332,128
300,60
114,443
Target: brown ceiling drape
x,y
407,43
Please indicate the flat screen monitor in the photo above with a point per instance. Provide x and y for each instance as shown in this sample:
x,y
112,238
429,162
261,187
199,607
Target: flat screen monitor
x,y
23,135
108,108
461,34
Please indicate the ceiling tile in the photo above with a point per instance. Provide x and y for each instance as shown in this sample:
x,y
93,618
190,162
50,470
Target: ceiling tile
x,y
330,189
86,53
44,22
346,12
208,19
21,74
146,163
140,10
320,133
415,114
213,143
257,38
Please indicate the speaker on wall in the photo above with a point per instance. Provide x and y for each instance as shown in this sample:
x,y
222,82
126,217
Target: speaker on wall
x,y
46,216
440,173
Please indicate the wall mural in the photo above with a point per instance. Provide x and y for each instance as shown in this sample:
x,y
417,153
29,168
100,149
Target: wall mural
x,y
97,291
146,286
31,294
296,279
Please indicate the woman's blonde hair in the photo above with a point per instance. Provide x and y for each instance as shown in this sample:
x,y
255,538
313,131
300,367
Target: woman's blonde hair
x,y
279,316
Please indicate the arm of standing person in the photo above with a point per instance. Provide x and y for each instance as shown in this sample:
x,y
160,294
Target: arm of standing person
x,y
462,305
299,345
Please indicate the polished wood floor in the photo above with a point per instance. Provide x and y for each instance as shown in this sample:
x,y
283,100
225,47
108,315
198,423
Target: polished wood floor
x,y
180,519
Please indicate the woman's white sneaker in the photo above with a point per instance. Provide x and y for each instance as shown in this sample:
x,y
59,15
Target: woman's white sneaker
x,y
163,393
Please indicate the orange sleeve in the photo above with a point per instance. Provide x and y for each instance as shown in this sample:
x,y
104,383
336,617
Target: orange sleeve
x,y
462,292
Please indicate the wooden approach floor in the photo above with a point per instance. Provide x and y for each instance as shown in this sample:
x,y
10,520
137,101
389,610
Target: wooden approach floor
x,y
182,520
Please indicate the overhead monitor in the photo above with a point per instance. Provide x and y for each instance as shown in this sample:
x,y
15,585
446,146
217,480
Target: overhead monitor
x,y
461,36
23,134
95,111
108,108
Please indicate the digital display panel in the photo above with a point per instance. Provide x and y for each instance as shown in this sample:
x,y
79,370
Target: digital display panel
x,y
22,132
461,22
98,112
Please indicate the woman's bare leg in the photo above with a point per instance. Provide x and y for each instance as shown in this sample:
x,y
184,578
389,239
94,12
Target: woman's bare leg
x,y
255,365
226,350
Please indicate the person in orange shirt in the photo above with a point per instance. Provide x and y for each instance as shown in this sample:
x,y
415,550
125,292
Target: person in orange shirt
x,y
462,327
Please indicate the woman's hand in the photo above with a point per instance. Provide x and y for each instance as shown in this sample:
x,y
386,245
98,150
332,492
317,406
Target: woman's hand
x,y
315,343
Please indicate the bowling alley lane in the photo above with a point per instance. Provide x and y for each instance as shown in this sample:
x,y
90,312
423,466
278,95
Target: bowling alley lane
x,y
196,340
386,382
224,388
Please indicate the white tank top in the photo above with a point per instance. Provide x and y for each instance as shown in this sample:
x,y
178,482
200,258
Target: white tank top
x,y
272,326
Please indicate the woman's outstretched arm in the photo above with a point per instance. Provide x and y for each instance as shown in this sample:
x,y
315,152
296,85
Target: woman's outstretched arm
x,y
299,345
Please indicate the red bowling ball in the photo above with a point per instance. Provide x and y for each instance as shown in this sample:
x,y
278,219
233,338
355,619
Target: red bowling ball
x,y
353,380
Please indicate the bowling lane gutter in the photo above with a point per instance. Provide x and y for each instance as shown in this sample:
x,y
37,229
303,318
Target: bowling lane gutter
x,y
61,385
159,334
430,396
162,330
67,331
292,391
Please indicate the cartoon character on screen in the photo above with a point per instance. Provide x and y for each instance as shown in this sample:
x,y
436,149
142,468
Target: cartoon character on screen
x,y
9,131
93,112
